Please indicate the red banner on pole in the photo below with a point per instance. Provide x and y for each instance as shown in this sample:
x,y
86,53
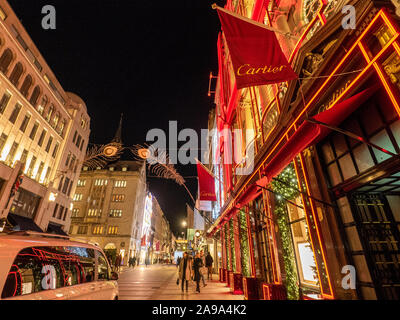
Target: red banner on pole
x,y
257,57
206,184
143,242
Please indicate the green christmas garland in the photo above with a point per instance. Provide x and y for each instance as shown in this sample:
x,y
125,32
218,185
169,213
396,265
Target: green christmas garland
x,y
228,256
283,191
244,245
232,242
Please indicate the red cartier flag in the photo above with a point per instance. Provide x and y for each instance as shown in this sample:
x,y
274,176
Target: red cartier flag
x,y
143,242
257,57
206,183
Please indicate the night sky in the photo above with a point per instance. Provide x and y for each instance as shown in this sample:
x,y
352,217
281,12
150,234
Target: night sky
x,y
149,60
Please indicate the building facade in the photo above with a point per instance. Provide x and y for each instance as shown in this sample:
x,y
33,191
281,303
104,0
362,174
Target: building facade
x,y
323,198
44,134
109,205
161,238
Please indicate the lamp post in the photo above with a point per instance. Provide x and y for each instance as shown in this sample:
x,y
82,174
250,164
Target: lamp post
x,y
184,225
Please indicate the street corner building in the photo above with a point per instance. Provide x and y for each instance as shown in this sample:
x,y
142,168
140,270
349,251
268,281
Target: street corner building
x,y
317,214
44,133
113,208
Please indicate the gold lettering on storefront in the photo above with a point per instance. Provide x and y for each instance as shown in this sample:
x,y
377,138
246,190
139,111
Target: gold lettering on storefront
x,y
335,95
247,69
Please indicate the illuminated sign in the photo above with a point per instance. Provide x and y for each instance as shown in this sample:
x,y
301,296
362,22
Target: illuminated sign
x,y
148,211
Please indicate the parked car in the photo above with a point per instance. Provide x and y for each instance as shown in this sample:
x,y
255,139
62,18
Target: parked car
x,y
38,266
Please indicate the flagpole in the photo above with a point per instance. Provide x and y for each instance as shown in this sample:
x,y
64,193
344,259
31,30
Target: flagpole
x,y
286,34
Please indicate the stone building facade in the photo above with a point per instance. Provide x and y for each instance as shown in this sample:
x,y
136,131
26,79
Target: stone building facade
x,y
44,133
108,208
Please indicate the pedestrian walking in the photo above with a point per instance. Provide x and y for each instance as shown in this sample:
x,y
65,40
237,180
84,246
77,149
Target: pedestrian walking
x,y
117,263
133,262
203,269
209,263
178,261
146,262
185,271
197,264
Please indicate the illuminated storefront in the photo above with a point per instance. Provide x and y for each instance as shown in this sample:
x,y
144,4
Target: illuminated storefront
x,y
324,195
146,228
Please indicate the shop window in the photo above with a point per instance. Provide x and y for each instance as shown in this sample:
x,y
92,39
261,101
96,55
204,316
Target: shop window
x,y
340,144
25,203
363,158
347,165
302,247
382,140
327,152
384,34
334,174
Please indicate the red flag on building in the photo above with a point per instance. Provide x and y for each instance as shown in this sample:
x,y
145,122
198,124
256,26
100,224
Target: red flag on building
x,y
158,245
206,183
257,57
143,243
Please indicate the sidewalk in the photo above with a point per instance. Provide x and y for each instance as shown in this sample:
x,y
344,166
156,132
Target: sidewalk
x,y
158,282
214,290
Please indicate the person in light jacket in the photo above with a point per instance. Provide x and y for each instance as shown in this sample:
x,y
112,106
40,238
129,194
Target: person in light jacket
x,y
185,270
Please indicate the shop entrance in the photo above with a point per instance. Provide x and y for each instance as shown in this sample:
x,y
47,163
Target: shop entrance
x,y
377,219
365,182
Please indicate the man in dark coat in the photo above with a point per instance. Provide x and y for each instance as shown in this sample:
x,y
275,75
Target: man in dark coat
x,y
197,264
209,263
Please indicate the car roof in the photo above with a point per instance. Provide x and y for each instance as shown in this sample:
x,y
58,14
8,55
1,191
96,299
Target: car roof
x,y
19,240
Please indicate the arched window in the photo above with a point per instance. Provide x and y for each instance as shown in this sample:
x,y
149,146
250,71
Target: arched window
x,y
56,119
51,109
35,96
43,104
5,60
26,85
16,73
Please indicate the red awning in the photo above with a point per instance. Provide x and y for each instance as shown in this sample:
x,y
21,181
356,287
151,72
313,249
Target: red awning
x,y
311,133
249,195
